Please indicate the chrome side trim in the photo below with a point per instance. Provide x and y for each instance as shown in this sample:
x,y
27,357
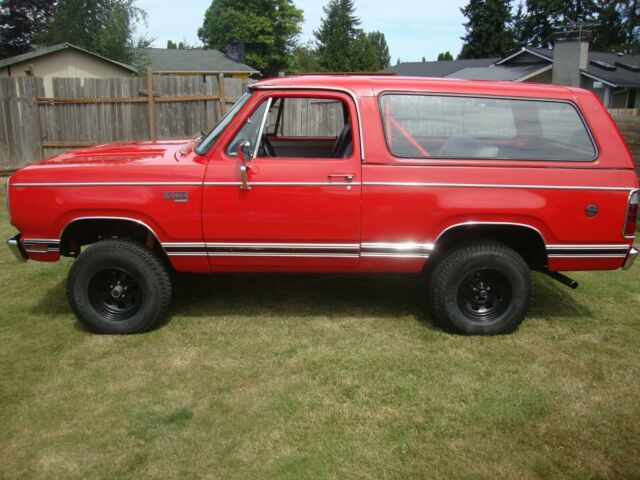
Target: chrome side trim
x,y
394,255
628,263
14,245
129,219
107,184
472,222
276,254
398,246
620,246
282,184
487,185
354,246
579,255
353,96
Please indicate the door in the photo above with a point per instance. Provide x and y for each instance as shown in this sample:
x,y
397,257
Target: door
x,y
300,207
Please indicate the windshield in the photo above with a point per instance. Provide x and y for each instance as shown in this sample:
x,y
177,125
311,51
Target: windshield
x,y
207,141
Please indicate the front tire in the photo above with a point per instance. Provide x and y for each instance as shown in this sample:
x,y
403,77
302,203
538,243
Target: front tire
x,y
481,288
118,287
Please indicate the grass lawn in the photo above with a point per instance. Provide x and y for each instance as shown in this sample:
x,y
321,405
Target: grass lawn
x,y
300,376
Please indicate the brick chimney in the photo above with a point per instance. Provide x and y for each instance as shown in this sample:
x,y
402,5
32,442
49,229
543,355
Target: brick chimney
x,y
235,51
571,54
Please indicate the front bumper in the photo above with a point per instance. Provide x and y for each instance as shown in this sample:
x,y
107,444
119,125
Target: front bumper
x,y
633,253
14,245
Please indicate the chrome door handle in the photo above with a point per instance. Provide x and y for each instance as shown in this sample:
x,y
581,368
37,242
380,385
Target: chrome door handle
x,y
244,184
345,177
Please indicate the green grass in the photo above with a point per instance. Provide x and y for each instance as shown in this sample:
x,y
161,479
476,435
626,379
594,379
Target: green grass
x,y
302,376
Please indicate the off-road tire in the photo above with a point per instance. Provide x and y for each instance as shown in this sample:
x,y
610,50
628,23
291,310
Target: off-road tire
x,y
139,268
460,279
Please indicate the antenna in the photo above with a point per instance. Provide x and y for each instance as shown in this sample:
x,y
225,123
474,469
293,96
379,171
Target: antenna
x,y
576,30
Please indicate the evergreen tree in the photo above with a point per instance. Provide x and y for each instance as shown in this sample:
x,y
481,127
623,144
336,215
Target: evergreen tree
x,y
19,22
518,26
105,27
337,35
445,56
379,43
545,16
268,28
488,33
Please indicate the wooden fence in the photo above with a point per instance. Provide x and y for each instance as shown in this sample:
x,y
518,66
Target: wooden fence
x,y
630,128
85,112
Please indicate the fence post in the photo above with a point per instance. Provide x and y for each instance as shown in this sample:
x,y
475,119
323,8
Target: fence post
x,y
153,133
36,114
223,100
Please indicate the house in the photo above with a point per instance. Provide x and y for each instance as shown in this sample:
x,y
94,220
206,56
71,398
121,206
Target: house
x,y
197,61
613,77
63,61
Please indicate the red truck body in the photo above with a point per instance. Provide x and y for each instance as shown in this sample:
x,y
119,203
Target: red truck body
x,y
474,183
370,212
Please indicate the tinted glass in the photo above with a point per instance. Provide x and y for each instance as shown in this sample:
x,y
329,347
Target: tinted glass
x,y
430,126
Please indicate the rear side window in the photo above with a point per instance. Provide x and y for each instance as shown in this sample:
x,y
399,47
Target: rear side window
x,y
461,127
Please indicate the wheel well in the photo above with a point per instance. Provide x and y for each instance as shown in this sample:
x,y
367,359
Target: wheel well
x,y
526,241
87,231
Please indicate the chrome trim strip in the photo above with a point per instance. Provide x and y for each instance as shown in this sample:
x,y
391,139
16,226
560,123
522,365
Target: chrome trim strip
x,y
578,255
41,240
354,246
631,258
64,229
274,254
353,96
106,184
184,244
631,193
187,254
282,184
588,247
487,185
394,255
473,222
400,246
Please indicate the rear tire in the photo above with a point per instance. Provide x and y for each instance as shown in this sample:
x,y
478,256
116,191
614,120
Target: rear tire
x,y
481,288
118,287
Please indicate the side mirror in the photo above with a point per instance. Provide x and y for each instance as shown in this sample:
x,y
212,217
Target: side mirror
x,y
243,149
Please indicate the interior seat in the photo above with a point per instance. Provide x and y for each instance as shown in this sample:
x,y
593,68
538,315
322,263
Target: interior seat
x,y
344,143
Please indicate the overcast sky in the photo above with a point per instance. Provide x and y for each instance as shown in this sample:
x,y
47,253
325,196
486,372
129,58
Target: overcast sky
x,y
413,28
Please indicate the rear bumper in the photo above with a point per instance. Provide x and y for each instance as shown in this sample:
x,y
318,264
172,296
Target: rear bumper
x,y
14,245
633,253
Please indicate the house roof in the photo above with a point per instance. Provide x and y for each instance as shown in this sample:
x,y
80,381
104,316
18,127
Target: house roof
x,y
438,69
57,48
192,60
500,72
614,69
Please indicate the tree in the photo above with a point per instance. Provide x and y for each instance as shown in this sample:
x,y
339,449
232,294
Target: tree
x,y
445,56
487,29
19,21
336,36
379,43
544,17
518,26
106,27
304,58
267,27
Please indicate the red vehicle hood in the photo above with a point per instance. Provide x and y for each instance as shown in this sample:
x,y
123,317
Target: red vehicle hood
x,y
119,154
163,161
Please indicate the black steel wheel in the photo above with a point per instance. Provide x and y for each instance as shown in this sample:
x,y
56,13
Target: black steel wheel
x,y
480,288
118,286
115,294
484,295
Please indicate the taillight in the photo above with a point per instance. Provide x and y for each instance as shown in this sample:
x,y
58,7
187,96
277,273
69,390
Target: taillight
x,y
632,214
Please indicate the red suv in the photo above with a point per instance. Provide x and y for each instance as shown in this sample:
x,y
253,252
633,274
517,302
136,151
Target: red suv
x,y
477,183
